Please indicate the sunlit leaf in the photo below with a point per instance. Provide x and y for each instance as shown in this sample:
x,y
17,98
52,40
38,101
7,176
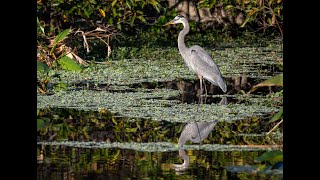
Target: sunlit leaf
x,y
42,122
271,157
273,81
116,155
114,121
119,26
153,2
114,12
277,116
68,64
213,2
39,27
61,86
280,67
128,4
42,66
132,19
270,2
59,38
245,21
103,14
113,3
142,19
139,12
131,130
228,7
86,13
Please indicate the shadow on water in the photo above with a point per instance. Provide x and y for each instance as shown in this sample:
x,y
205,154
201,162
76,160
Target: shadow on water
x,y
188,90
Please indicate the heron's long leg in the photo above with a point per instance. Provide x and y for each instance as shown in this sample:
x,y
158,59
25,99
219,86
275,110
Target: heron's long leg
x,y
205,90
200,79
199,133
205,87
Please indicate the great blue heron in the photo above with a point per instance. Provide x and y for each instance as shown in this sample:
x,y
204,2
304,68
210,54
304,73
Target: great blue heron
x,y
197,59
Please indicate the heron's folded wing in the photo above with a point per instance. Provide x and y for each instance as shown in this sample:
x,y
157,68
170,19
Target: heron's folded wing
x,y
202,55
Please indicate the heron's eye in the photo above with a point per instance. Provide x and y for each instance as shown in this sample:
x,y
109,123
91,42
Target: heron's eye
x,y
179,16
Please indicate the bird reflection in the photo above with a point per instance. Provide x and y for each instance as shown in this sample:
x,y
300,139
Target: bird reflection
x,y
196,132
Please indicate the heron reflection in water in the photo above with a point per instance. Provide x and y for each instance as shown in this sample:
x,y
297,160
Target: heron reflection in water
x,y
197,59
195,132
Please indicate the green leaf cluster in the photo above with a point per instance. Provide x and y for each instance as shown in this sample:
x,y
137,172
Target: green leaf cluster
x,y
114,12
260,13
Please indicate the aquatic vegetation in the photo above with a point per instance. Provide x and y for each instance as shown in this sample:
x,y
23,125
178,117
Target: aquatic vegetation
x,y
135,105
270,162
165,64
156,105
158,146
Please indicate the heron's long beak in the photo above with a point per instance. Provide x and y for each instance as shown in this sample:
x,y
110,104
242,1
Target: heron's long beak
x,y
170,22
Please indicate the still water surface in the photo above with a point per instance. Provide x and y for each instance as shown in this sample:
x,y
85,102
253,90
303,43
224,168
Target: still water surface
x,y
130,130
62,162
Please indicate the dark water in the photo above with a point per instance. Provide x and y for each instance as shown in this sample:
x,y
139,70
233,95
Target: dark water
x,y
139,161
150,161
61,162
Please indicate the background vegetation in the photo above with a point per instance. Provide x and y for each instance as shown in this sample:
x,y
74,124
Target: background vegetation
x,y
100,27
72,33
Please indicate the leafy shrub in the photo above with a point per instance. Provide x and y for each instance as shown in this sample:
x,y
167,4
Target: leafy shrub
x,y
120,13
262,14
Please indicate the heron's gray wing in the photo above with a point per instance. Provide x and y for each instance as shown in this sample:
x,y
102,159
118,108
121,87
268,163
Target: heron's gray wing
x,y
200,54
206,128
203,65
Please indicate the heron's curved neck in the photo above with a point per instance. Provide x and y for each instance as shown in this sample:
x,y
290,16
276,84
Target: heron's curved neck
x,y
182,34
182,140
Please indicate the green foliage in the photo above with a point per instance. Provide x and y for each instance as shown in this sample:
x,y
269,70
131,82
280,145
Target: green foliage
x,y
271,157
261,13
42,122
276,80
60,37
74,124
114,12
60,86
42,66
68,64
57,50
277,116
40,29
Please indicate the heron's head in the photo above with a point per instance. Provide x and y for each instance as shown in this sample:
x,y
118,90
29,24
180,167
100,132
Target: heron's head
x,y
176,20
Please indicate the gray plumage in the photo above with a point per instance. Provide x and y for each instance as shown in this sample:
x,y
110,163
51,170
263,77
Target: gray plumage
x,y
195,132
190,132
196,58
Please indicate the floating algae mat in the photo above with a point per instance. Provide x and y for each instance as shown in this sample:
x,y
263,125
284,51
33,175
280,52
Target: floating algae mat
x,y
167,65
79,138
159,146
157,104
